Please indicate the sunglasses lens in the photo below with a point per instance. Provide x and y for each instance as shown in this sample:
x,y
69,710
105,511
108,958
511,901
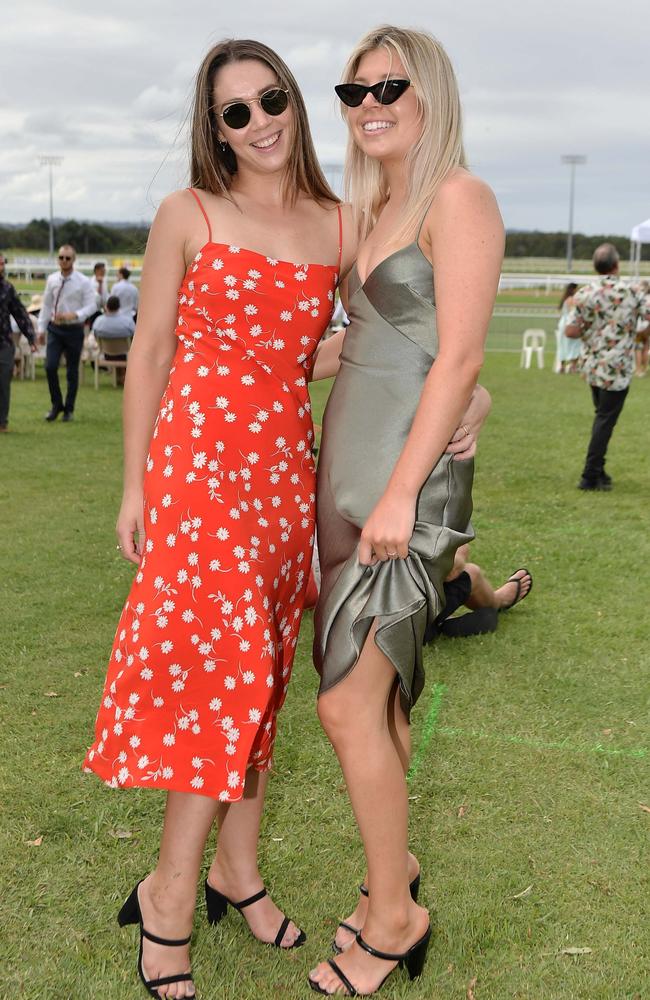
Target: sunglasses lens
x,y
274,102
237,115
351,94
388,92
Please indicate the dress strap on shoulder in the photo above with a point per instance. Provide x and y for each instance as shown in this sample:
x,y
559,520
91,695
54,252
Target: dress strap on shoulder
x,y
426,212
340,214
205,214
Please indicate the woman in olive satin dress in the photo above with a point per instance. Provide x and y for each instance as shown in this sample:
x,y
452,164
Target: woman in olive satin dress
x,y
392,507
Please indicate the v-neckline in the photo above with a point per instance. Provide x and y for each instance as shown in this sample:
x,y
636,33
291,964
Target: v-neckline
x,y
362,284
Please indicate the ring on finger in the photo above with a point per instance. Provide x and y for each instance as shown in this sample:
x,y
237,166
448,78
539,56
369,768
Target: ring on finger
x,y
391,555
466,429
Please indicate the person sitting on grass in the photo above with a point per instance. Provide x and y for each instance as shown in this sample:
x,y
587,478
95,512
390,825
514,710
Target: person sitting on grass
x,y
467,585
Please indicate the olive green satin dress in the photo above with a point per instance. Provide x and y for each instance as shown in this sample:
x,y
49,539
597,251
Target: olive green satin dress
x,y
389,348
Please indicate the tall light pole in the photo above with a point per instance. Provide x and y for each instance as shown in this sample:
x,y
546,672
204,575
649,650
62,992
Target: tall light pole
x,y
573,159
51,161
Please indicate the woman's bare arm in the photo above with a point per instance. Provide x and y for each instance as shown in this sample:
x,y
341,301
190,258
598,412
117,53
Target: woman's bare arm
x,y
328,355
464,442
467,241
150,359
328,352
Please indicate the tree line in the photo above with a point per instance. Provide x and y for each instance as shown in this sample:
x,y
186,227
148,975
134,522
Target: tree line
x,y
538,244
85,237
96,237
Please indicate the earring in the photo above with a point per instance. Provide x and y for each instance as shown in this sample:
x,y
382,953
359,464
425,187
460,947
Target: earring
x,y
223,144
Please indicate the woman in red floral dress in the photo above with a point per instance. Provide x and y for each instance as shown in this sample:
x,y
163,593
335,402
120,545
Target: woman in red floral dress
x,y
218,508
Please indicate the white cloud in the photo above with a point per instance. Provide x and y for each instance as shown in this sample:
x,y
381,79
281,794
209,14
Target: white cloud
x,y
109,89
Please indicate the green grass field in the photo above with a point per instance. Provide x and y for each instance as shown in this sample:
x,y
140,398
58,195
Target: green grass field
x,y
531,794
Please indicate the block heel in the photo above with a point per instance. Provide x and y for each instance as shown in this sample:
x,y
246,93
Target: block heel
x,y
216,904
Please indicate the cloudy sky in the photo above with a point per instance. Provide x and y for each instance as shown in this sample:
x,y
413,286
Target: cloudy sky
x,y
107,87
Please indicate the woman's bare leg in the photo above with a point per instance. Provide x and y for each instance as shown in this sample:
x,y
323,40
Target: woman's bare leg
x,y
168,895
355,715
400,732
234,870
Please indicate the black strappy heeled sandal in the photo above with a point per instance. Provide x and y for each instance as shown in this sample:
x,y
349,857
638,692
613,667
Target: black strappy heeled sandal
x,y
217,905
414,889
412,960
131,914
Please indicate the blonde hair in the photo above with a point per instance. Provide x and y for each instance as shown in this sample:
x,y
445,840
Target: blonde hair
x,y
438,150
211,167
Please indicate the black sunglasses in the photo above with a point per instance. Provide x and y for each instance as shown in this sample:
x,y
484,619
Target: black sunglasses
x,y
63,256
386,92
238,115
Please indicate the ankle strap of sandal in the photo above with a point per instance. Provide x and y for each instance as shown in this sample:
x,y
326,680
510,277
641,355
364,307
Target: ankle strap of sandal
x,y
178,943
387,956
251,899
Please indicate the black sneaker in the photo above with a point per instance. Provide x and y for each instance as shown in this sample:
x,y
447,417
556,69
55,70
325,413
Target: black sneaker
x,y
67,417
53,414
605,481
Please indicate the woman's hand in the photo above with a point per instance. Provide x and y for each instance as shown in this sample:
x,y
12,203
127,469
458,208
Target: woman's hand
x,y
388,530
130,527
463,443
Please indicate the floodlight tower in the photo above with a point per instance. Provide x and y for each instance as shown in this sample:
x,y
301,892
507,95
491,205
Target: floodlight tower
x,y
51,161
574,160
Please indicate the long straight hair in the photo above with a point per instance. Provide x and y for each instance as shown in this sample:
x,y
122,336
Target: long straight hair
x,y
211,168
439,149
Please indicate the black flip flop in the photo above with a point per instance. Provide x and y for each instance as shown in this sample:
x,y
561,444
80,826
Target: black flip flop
x,y
517,582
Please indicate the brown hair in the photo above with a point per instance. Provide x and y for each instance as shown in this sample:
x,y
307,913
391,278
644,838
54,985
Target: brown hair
x,y
567,293
212,168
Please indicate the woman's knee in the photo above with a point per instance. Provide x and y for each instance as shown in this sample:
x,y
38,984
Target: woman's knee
x,y
330,710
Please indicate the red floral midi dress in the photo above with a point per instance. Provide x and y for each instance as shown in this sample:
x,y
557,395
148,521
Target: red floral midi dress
x,y
204,647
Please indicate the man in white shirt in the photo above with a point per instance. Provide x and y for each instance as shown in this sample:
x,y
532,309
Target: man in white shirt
x,y
69,299
126,292
100,284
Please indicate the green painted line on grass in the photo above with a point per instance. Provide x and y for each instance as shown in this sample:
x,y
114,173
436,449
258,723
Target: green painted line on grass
x,y
523,741
429,728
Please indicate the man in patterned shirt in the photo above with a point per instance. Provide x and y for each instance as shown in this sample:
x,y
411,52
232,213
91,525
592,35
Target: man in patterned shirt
x,y
605,315
10,307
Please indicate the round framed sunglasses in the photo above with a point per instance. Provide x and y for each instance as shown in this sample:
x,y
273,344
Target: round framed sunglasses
x,y
386,92
238,114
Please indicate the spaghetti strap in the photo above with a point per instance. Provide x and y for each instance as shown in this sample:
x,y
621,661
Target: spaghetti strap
x,y
417,238
205,214
338,266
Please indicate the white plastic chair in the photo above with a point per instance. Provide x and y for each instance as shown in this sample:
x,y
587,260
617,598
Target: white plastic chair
x,y
23,356
534,342
557,362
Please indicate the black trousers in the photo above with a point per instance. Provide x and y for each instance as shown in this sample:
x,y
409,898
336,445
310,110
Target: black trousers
x,y
7,353
69,341
608,405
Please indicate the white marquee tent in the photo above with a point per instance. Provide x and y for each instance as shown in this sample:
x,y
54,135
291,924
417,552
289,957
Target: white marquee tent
x,y
640,234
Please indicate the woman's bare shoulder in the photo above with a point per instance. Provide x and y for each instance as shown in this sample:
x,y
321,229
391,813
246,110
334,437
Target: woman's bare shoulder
x,y
172,212
460,187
